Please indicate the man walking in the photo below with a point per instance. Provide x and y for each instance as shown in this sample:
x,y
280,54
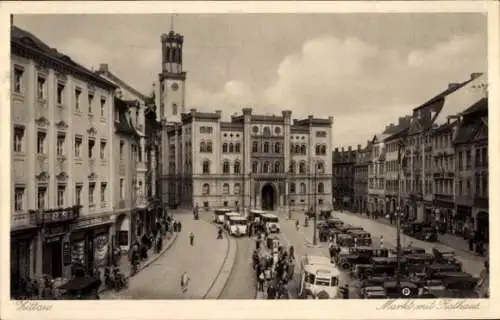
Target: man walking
x,y
191,238
184,282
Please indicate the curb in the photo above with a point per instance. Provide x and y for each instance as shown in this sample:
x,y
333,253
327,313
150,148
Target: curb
x,y
149,262
219,283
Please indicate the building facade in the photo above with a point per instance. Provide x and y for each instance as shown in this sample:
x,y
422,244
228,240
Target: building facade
x,y
62,115
344,162
361,179
376,176
425,119
471,170
132,217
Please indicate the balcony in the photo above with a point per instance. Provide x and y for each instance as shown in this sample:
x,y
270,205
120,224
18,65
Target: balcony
x,y
56,215
24,219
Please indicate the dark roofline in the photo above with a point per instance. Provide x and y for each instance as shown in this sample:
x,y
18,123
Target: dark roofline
x,y
121,83
481,105
442,95
398,134
51,55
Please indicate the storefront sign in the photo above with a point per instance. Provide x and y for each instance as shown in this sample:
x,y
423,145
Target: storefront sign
x,y
66,253
93,221
56,230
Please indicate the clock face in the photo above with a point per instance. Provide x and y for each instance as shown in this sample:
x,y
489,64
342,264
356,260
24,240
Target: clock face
x,y
174,86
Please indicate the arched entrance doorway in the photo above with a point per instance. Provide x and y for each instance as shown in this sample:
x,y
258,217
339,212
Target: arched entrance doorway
x,y
122,236
268,196
482,222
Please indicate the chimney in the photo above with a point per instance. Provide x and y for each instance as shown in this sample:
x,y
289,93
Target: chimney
x,y
359,147
336,150
453,85
342,149
103,67
349,148
219,113
475,75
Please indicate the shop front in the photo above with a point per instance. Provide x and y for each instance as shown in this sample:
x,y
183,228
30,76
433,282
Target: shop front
x,y
90,243
124,233
22,259
52,248
464,224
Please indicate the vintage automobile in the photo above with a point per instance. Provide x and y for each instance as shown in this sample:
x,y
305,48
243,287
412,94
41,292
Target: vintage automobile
x,y
442,256
358,255
421,231
406,251
377,280
373,292
347,227
440,270
345,242
318,278
379,266
325,213
334,223
361,237
219,215
417,262
451,285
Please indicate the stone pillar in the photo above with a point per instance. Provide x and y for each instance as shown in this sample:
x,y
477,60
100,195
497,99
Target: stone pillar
x,y
287,116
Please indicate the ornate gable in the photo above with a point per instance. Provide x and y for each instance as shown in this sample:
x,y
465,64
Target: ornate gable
x,y
481,132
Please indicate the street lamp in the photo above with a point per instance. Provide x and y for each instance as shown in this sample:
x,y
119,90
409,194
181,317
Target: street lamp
x,y
315,241
401,149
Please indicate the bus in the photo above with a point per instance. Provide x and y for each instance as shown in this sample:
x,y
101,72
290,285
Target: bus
x,y
227,216
319,278
255,215
219,215
237,225
271,222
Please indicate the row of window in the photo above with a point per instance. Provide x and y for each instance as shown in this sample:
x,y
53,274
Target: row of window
x,y
19,145
41,91
61,201
265,167
205,189
231,148
266,147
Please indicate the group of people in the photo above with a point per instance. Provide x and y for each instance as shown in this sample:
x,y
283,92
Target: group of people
x,y
273,270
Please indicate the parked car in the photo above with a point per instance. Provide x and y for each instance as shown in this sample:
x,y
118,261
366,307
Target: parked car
x,y
420,230
405,289
362,238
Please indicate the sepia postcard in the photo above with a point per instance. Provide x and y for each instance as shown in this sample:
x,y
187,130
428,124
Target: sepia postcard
x,y
195,160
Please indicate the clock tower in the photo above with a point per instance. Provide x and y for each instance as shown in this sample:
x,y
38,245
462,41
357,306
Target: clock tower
x,y
172,78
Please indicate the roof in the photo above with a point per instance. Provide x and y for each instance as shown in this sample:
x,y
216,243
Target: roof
x,y
123,124
118,81
442,94
479,106
29,41
232,214
238,218
468,127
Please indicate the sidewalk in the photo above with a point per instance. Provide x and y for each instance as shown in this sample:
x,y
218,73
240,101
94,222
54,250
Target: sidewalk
x,y
455,242
126,268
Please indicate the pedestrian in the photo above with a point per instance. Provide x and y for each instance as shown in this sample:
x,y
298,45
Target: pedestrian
x,y
261,279
191,238
271,292
184,282
292,252
345,292
179,226
331,249
257,244
471,241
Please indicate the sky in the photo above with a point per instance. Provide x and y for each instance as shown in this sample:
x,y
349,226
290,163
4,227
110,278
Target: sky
x,y
365,70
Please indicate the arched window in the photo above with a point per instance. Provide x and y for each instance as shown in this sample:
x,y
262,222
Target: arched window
x,y
277,131
321,187
302,167
224,147
292,149
236,188
265,168
277,147
203,146
206,167
297,149
255,129
205,189
302,188
255,146
267,131
320,167
323,149
266,147
237,147
225,167
209,146
225,188
303,149
255,167
237,167
231,147
292,166
277,167
292,187
318,151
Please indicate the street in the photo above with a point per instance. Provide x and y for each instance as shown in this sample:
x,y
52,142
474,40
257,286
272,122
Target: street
x,y
161,280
